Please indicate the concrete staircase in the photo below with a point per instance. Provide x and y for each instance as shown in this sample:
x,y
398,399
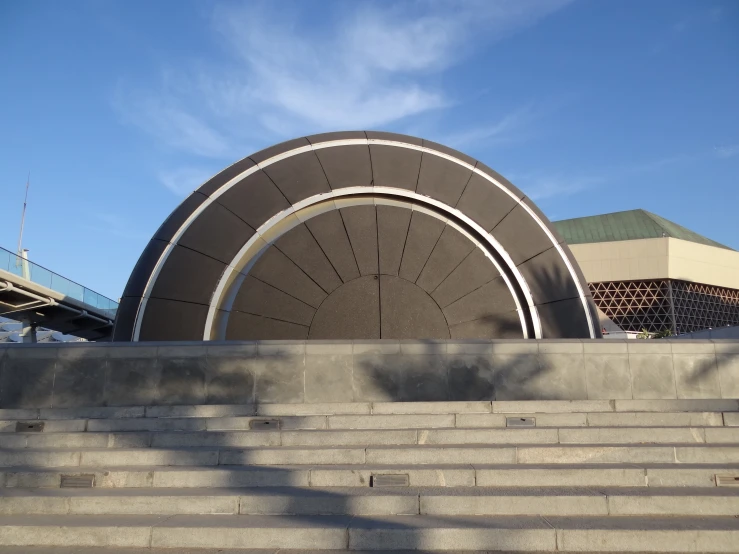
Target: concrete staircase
x,y
606,476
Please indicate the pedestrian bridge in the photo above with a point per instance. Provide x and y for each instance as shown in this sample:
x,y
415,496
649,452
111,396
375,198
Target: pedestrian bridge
x,y
39,297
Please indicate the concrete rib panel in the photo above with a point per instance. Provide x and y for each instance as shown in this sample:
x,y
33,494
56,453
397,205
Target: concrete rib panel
x,y
139,278
450,152
407,312
217,233
267,153
276,269
392,230
486,302
301,247
172,320
423,234
361,226
351,312
563,320
336,135
515,191
485,203
346,166
534,208
254,199
225,176
299,176
474,271
521,236
188,276
501,326
395,167
548,277
175,220
258,298
125,319
397,137
253,327
452,248
329,231
442,179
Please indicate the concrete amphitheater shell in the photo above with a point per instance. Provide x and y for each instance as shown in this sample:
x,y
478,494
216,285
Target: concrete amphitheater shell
x,y
356,235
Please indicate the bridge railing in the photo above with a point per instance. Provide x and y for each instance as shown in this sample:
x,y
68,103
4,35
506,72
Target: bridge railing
x,y
17,265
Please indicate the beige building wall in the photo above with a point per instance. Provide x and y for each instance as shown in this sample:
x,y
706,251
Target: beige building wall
x,y
660,258
703,264
626,260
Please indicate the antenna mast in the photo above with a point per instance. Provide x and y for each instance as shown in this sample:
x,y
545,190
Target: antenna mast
x,y
23,217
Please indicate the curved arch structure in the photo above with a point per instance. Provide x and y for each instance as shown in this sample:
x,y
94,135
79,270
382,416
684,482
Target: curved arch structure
x,y
356,235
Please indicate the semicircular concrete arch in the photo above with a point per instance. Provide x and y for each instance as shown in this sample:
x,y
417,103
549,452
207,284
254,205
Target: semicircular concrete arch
x,y
269,247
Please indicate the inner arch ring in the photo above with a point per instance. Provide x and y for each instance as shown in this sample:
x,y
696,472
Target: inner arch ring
x,y
281,223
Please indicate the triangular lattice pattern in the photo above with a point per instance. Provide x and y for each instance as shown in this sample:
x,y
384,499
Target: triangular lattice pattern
x,y
699,306
637,305
634,305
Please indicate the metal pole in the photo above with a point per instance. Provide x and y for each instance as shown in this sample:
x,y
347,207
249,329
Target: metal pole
x,y
671,300
23,216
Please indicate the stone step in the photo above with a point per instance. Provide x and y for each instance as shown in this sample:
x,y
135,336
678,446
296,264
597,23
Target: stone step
x,y
375,501
117,550
382,408
546,454
512,533
377,454
482,475
391,421
373,437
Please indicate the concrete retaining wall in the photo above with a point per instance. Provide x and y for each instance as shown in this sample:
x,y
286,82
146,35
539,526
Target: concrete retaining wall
x,y
74,375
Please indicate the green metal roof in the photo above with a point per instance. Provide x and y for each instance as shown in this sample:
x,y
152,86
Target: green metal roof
x,y
628,225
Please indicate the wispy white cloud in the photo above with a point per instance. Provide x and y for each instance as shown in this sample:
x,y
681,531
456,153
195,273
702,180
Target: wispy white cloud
x,y
160,116
116,225
373,65
678,28
727,151
182,181
540,187
543,186
652,165
507,129
367,71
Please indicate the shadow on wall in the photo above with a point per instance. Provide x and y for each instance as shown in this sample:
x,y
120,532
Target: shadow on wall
x,y
468,371
235,373
90,375
702,371
143,381
487,369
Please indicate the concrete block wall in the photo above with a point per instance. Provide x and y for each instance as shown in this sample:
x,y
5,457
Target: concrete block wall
x,y
185,373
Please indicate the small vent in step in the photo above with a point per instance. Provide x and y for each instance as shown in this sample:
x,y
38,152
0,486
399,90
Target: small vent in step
x,y
727,480
397,480
79,481
520,422
264,424
29,426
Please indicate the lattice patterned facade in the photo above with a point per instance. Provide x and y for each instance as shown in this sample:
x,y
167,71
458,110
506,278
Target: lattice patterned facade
x,y
681,306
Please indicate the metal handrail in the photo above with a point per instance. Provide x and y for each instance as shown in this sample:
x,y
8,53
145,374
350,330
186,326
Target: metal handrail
x,y
22,267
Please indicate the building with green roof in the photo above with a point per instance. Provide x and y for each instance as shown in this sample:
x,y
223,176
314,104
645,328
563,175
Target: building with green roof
x,y
628,225
647,272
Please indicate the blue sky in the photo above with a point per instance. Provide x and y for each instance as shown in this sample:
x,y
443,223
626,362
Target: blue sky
x,y
120,108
